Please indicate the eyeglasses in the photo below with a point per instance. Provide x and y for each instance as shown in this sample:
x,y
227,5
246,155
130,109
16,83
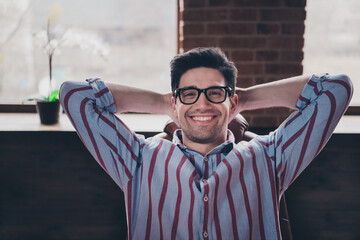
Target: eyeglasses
x,y
189,95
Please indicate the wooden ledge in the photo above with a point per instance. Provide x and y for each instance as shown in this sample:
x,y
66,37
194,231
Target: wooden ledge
x,y
138,122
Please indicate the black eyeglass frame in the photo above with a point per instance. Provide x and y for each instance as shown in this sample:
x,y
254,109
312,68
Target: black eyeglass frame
x,y
228,91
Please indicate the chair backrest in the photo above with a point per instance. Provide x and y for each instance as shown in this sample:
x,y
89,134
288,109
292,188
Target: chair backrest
x,y
239,127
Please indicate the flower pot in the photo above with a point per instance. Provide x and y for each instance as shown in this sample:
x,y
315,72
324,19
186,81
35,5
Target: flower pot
x,y
48,111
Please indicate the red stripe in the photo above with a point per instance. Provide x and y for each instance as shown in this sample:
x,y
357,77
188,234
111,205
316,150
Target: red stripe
x,y
112,147
218,159
243,187
292,119
304,99
273,193
257,180
150,174
66,104
192,159
231,201
216,214
178,200
112,125
329,120
102,92
83,116
346,86
206,170
206,207
164,188
312,83
129,191
316,91
292,139
126,127
191,210
282,177
110,105
92,80
306,142
278,142
117,169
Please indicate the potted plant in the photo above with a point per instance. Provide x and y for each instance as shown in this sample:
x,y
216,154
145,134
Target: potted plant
x,y
50,40
49,107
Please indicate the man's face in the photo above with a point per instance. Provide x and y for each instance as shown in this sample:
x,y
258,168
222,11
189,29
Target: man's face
x,y
204,122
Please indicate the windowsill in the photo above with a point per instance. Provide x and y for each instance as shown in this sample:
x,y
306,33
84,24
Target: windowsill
x,y
31,122
137,122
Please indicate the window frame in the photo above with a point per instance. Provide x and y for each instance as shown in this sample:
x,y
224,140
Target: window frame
x,y
31,107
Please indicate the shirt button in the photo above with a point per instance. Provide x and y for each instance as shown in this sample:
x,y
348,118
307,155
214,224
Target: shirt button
x,y
205,159
205,234
206,198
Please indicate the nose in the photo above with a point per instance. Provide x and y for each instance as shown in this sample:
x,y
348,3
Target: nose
x,y
203,101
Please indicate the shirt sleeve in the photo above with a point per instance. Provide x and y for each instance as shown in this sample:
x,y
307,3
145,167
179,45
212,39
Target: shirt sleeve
x,y
91,109
305,132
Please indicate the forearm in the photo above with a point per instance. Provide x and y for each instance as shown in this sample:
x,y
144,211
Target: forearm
x,y
281,93
131,99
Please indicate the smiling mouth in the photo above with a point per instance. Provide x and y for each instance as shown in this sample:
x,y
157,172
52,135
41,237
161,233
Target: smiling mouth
x,y
202,119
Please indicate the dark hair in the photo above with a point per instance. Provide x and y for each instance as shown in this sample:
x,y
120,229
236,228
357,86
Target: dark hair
x,y
203,57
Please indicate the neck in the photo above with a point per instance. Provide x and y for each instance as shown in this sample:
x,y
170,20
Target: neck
x,y
202,148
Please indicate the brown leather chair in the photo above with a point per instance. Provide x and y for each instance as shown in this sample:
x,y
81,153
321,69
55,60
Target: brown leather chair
x,y
239,127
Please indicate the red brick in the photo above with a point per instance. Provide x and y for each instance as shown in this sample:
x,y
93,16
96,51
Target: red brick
x,y
268,28
193,42
295,3
285,42
194,4
217,15
258,3
286,14
233,42
194,15
249,68
293,28
296,56
244,82
267,55
193,29
284,68
230,28
259,80
218,2
244,14
242,55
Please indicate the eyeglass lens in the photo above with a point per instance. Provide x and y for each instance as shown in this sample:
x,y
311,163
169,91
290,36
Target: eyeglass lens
x,y
215,95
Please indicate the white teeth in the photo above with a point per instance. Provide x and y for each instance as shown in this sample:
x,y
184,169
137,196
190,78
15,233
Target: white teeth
x,y
202,118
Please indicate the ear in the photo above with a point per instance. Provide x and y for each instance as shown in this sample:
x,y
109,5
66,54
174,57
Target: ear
x,y
173,104
233,107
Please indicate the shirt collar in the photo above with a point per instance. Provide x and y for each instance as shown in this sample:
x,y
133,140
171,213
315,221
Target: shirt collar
x,y
225,147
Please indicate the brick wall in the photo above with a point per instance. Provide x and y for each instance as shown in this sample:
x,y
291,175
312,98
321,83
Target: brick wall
x,y
264,39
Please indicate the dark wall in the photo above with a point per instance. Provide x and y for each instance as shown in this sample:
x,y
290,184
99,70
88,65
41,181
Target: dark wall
x,y
51,188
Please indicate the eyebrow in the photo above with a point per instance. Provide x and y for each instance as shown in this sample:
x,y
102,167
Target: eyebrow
x,y
193,86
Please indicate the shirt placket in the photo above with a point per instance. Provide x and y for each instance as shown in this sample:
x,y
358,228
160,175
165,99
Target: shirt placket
x,y
206,209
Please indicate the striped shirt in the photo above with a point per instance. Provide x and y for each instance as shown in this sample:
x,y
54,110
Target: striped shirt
x,y
232,192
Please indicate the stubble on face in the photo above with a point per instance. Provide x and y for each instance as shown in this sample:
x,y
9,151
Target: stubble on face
x,y
203,133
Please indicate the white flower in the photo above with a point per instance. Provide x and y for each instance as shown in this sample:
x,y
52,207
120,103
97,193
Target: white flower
x,y
72,37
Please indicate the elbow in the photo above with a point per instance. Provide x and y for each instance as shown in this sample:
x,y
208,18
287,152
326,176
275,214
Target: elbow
x,y
348,83
64,90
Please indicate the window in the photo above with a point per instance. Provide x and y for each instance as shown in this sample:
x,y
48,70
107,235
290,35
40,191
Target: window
x,y
332,39
140,37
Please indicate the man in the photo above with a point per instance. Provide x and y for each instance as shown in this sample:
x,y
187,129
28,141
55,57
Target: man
x,y
203,185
